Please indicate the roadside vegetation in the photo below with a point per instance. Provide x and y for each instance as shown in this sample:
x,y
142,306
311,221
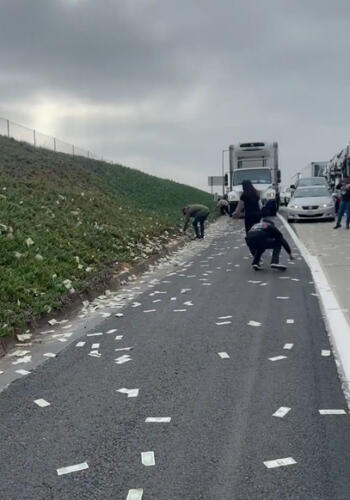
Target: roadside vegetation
x,y
63,220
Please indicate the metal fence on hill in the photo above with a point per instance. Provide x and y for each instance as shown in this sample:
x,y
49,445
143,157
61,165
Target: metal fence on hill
x,y
40,140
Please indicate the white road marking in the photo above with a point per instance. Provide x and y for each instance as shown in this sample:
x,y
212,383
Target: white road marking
x,y
124,349
23,372
188,303
158,419
113,330
332,412
132,393
223,323
136,304
288,346
118,337
1,372
72,468
147,458
290,321
135,494
279,462
80,344
185,290
224,317
119,315
325,352
254,323
179,310
282,298
223,355
50,355
277,358
95,346
149,310
42,403
281,412
97,334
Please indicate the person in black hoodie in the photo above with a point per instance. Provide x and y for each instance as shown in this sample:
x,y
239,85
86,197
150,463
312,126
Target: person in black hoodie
x,y
249,202
265,235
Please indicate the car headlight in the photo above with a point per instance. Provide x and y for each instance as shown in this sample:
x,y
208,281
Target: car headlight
x,y
270,195
327,205
294,206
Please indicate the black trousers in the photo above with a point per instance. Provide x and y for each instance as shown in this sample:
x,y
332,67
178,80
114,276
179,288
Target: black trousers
x,y
257,248
198,225
250,220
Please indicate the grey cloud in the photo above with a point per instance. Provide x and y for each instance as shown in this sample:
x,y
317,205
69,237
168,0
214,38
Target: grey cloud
x,y
170,84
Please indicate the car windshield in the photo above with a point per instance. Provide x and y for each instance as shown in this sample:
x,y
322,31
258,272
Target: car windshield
x,y
312,181
312,192
255,175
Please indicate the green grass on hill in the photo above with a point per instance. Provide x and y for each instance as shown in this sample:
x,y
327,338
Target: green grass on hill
x,y
65,218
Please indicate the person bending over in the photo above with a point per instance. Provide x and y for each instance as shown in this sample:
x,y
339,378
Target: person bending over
x,y
199,213
265,235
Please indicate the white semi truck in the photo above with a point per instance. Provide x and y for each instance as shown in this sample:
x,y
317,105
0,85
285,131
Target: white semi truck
x,y
257,162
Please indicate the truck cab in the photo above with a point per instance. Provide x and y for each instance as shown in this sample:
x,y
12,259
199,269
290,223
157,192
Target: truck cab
x,y
257,162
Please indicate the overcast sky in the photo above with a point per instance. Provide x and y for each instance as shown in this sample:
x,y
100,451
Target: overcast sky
x,y
165,85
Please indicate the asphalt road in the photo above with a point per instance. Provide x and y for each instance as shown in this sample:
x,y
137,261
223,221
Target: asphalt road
x,y
221,429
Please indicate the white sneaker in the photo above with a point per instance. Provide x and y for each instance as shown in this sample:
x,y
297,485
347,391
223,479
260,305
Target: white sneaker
x,y
257,267
281,267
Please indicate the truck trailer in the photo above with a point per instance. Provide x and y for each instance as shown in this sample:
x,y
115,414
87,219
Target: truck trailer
x,y
257,162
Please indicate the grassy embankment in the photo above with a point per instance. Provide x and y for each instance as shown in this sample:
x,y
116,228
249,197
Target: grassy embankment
x,y
64,220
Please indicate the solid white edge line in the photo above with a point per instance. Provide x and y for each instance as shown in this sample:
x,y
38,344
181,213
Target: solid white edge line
x,y
336,324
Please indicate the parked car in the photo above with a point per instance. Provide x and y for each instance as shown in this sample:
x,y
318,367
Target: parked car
x,y
313,202
285,196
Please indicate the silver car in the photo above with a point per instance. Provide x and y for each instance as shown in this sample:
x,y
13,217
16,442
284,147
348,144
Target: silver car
x,y
314,202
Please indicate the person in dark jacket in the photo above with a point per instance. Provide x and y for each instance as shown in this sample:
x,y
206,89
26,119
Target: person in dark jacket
x,y
265,235
344,206
199,213
250,202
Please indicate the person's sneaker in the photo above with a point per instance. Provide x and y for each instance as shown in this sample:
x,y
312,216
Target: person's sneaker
x,y
337,226
281,267
257,267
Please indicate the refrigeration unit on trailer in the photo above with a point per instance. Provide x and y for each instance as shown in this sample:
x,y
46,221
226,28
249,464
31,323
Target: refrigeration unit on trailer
x,y
338,167
315,169
257,162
